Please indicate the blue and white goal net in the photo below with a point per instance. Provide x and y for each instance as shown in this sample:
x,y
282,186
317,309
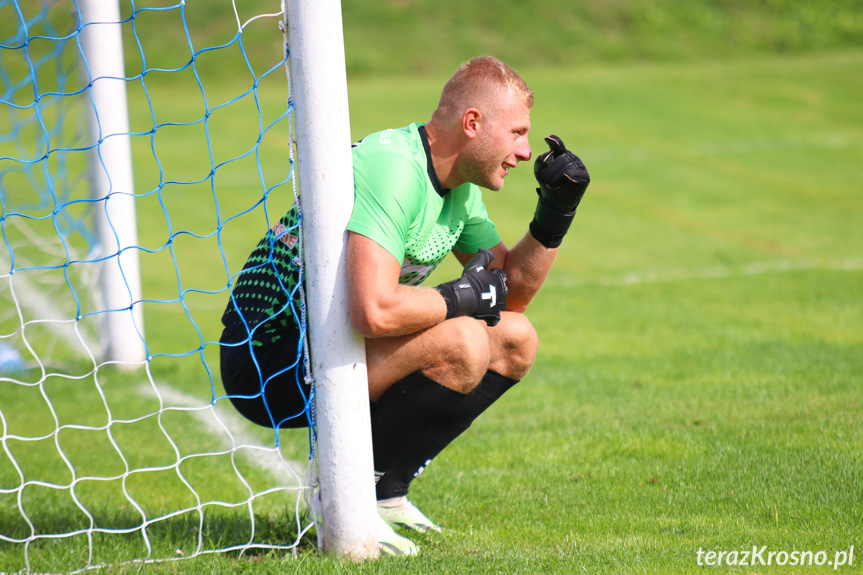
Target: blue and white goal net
x,y
111,456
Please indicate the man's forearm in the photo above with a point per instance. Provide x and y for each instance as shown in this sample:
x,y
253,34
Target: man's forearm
x,y
407,310
379,306
527,265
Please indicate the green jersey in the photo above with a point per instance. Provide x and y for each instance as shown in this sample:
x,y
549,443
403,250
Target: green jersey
x,y
401,205
398,202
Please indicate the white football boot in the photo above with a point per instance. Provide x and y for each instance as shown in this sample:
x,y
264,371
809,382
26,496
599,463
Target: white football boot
x,y
399,512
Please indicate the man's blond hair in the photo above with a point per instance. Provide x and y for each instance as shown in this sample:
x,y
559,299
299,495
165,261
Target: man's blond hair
x,y
477,84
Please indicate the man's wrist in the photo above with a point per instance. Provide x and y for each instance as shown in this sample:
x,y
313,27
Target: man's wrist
x,y
550,224
450,299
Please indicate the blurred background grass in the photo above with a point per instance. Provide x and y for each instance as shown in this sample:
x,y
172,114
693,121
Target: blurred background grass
x,y
415,37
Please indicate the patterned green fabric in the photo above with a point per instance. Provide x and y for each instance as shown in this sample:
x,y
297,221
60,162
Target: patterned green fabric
x,y
265,292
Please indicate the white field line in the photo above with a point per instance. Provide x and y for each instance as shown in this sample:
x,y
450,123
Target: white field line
x,y
706,272
29,297
714,148
828,141
287,472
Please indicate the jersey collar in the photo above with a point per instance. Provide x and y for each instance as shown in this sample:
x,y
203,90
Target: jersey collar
x,y
442,191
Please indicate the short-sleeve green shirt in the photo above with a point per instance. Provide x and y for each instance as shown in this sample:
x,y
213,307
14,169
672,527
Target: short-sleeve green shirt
x,y
401,205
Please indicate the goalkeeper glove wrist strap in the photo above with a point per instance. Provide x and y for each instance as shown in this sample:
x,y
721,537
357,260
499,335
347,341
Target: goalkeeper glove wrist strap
x,y
450,298
550,224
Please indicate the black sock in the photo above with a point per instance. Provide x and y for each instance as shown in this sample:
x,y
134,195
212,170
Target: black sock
x,y
402,471
406,412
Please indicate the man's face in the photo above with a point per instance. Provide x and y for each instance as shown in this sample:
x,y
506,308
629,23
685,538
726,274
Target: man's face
x,y
499,145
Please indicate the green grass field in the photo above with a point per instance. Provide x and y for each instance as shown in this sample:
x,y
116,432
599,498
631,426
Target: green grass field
x,y
698,379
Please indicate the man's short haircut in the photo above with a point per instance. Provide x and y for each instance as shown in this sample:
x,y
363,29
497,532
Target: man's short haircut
x,y
475,81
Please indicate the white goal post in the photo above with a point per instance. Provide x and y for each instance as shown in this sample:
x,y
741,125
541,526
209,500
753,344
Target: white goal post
x,y
111,178
319,89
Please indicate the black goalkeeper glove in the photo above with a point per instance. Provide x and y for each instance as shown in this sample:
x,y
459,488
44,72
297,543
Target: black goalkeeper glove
x,y
562,179
479,292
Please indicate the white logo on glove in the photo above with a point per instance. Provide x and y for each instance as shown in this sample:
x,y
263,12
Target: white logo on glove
x,y
491,294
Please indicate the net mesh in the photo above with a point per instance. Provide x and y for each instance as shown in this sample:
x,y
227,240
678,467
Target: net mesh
x,y
104,463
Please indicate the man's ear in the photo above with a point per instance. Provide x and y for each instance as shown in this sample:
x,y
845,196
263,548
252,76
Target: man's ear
x,y
471,122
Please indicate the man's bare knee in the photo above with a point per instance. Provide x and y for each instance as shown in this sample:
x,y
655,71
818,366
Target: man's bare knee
x,y
514,344
462,355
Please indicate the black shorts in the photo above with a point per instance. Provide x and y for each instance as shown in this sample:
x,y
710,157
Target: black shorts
x,y
267,388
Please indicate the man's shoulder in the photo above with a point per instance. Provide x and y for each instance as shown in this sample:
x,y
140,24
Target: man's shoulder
x,y
397,142
390,157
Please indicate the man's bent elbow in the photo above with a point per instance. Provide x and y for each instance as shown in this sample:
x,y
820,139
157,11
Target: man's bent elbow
x,y
368,324
375,322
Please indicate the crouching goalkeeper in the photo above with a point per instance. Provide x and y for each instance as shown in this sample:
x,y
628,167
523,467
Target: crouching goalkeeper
x,y
437,357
